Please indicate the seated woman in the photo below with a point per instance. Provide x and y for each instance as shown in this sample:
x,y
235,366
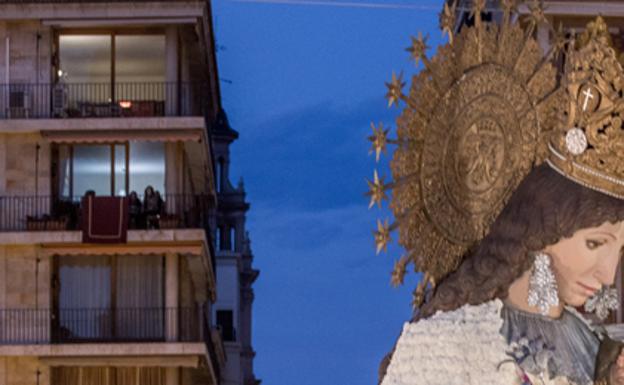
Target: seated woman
x,y
152,208
135,211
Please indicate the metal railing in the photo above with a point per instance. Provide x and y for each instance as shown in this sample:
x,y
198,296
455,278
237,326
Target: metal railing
x,y
102,100
101,325
46,213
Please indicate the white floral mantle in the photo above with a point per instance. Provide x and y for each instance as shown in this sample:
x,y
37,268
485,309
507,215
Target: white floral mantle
x,y
460,347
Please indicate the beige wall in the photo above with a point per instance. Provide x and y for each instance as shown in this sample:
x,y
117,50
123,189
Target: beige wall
x,y
23,371
24,52
24,278
18,160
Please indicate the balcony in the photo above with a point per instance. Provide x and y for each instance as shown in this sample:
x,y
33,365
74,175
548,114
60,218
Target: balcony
x,y
46,213
102,100
127,325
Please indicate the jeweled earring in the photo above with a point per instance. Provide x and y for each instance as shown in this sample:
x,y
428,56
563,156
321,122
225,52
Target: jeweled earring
x,y
542,285
603,301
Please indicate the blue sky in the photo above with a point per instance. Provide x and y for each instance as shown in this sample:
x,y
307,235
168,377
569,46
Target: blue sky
x,y
301,84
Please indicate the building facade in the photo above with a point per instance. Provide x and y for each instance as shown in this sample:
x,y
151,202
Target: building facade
x,y
232,310
107,193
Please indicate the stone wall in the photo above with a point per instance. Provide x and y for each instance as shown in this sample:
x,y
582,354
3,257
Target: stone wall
x,y
25,278
18,160
23,371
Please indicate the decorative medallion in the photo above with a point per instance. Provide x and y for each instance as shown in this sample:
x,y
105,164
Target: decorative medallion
x,y
576,141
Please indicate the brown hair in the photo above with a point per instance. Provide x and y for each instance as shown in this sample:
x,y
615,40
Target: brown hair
x,y
545,208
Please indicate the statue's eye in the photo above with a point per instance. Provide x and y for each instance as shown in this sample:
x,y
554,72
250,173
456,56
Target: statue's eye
x,y
593,244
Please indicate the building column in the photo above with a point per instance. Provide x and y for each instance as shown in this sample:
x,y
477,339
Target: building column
x,y
171,70
172,376
171,295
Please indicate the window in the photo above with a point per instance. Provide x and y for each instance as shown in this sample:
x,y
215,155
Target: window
x,y
225,320
232,238
110,58
101,297
220,174
112,74
111,169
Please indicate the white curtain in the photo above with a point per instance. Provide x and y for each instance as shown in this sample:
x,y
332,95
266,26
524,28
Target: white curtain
x,y
85,296
140,309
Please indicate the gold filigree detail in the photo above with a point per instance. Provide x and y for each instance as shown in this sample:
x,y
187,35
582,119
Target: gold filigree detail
x,y
473,126
588,145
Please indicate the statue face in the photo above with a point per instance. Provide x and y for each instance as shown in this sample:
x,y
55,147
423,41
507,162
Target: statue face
x,y
586,261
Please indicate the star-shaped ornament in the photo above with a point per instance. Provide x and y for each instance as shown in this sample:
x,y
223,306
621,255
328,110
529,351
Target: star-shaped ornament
x,y
398,272
477,7
382,236
536,14
509,6
419,48
395,89
379,140
447,20
559,40
377,190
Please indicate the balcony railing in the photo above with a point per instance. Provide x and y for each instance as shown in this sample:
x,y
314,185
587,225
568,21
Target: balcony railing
x,y
46,213
102,325
102,100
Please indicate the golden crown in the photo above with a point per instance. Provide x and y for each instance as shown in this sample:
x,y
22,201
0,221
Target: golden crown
x,y
588,144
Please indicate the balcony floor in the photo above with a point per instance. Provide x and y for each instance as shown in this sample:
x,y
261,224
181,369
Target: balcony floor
x,y
85,125
72,239
175,354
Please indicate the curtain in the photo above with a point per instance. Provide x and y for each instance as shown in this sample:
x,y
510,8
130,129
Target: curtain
x,y
96,375
85,297
140,312
64,172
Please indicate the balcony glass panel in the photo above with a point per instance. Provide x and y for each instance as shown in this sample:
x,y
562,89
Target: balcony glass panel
x,y
147,166
120,170
92,169
85,64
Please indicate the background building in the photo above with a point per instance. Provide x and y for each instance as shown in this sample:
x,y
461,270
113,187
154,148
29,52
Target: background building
x,y
232,310
98,285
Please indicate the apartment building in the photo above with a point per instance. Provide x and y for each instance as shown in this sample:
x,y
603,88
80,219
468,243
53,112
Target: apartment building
x,y
107,262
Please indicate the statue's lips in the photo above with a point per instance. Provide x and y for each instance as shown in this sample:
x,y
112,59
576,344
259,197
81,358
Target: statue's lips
x,y
590,290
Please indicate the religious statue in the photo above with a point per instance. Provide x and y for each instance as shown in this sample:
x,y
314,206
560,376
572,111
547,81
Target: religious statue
x,y
508,194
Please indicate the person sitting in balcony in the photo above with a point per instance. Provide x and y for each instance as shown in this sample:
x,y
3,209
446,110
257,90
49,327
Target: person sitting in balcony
x,y
152,207
134,211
